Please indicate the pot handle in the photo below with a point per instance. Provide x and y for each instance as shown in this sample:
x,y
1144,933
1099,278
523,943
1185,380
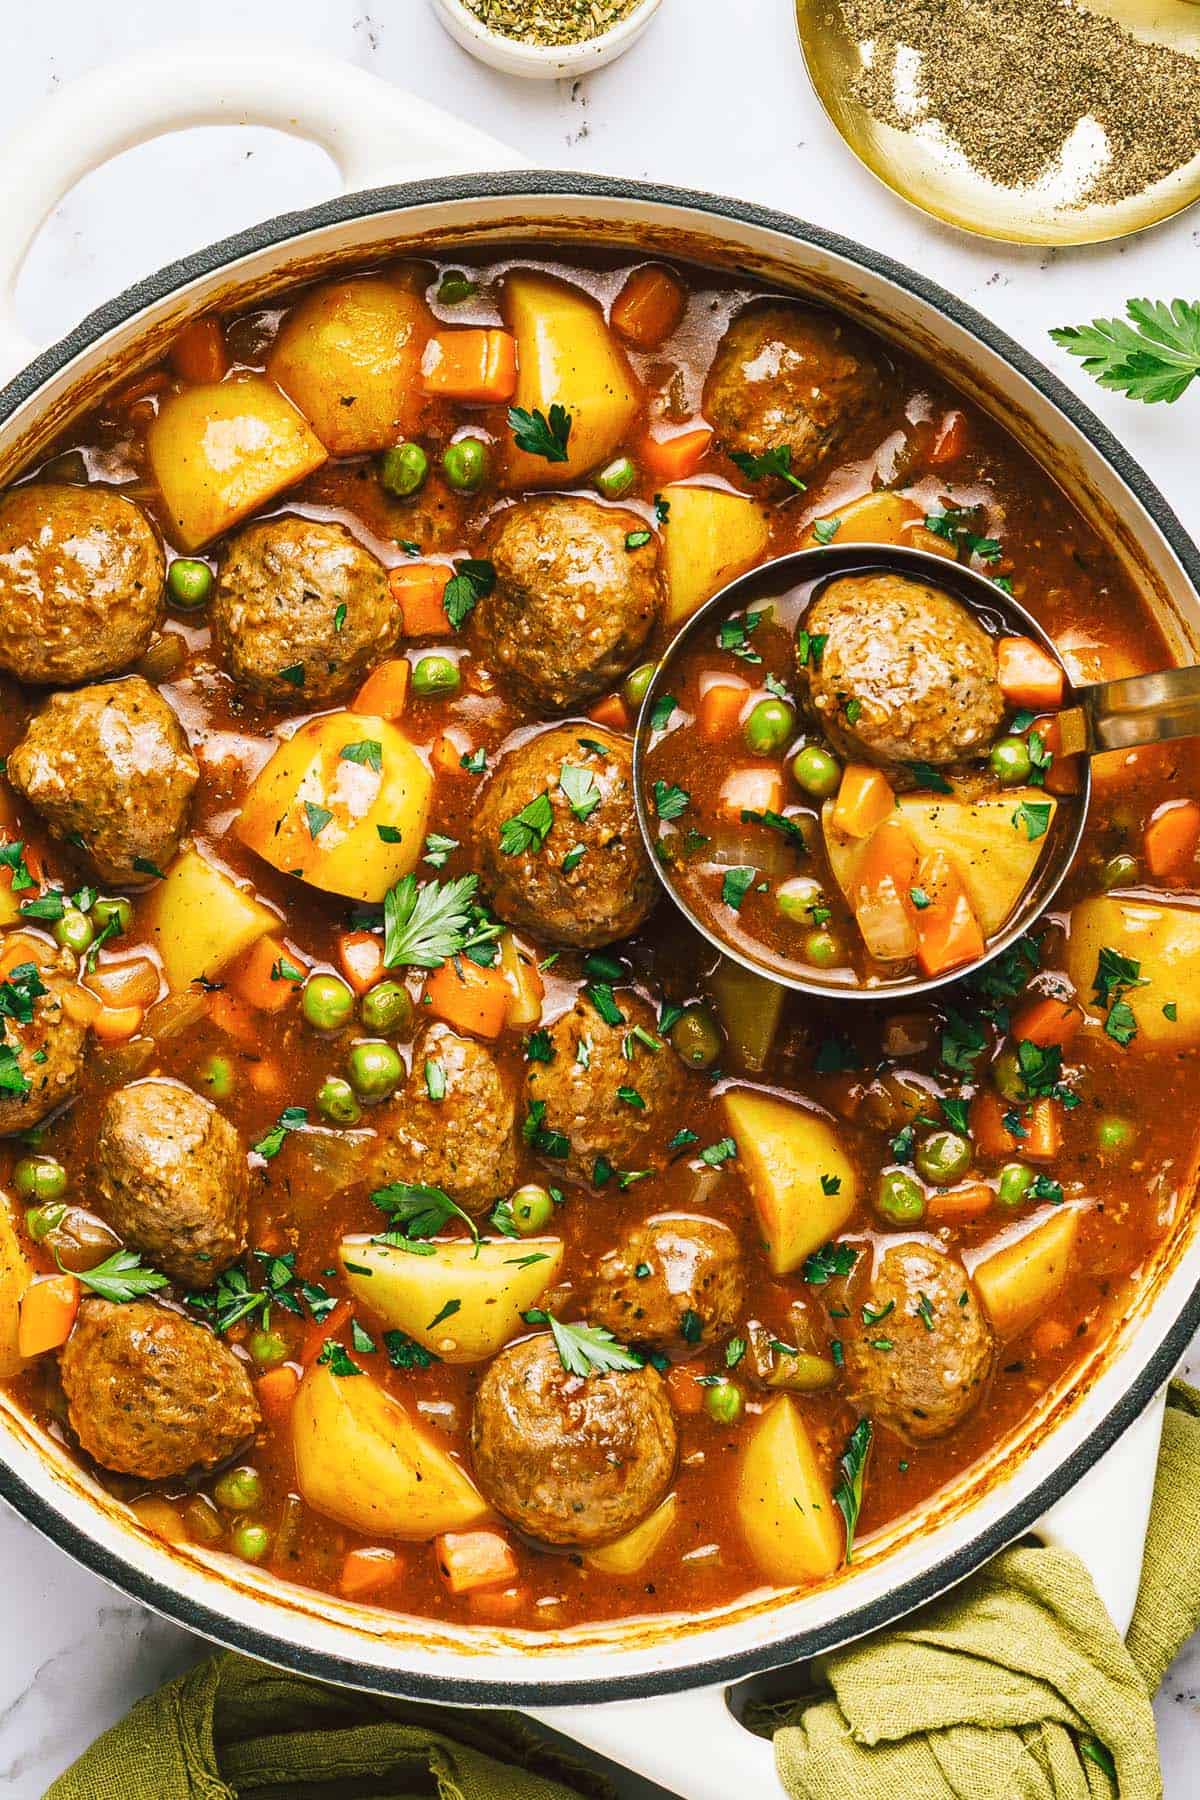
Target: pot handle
x,y
373,132
691,1743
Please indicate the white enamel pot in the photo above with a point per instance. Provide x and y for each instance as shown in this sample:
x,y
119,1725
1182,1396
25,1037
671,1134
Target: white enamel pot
x,y
1080,1471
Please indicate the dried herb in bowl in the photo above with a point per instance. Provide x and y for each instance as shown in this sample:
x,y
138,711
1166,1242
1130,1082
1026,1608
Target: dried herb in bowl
x,y
551,22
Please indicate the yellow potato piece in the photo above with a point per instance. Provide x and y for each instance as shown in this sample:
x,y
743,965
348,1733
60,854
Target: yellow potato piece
x,y
566,357
349,355
493,1285
1165,941
802,1183
878,518
633,1551
1017,1282
15,1276
784,1504
749,1007
220,449
710,536
316,814
360,1459
201,920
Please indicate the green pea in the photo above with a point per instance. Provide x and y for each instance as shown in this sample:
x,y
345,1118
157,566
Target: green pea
x,y
218,1076
326,1002
74,931
532,1209
1008,1079
823,950
189,581
465,464
723,1402
617,477
455,287
40,1221
696,1037
816,771
403,469
335,1100
1119,871
40,1178
900,1198
770,725
249,1541
633,688
267,1349
108,908
942,1157
1113,1135
387,1007
1016,1179
374,1069
434,676
796,898
1010,761
238,1490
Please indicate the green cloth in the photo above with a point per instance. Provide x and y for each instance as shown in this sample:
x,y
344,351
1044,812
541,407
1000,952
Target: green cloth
x,y
1013,1687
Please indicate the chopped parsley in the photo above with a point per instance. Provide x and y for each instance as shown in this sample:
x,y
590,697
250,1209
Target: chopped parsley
x,y
634,540
775,462
121,1277
586,1350
956,524
368,752
292,1118
581,789
735,634
541,434
723,1151
670,801
1034,815
847,1495
829,1263
472,581
438,849
736,885
404,1352
926,776
662,711
417,1211
528,829
825,530
316,818
810,648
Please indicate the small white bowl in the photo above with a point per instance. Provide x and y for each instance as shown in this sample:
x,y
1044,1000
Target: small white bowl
x,y
543,62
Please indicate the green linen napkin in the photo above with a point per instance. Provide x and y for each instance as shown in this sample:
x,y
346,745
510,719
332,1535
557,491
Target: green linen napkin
x,y
1013,1687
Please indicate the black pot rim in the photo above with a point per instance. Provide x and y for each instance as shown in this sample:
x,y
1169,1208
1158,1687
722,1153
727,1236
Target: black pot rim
x,y
691,1671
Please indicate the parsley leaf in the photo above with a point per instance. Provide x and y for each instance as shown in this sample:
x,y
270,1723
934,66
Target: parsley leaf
x,y
473,580
404,1352
121,1277
736,886
1035,816
590,1350
847,1495
539,435
581,788
724,1150
290,1119
426,923
528,829
661,711
825,530
776,462
418,1211
1153,357
957,525
926,776
368,752
810,648
670,801
438,849
317,818
828,1263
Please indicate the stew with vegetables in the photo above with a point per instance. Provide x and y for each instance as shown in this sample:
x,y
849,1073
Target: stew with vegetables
x,y
395,1195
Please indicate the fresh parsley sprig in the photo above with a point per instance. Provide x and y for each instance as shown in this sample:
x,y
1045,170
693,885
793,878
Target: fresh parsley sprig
x,y
1153,354
418,1211
541,435
121,1277
590,1350
425,923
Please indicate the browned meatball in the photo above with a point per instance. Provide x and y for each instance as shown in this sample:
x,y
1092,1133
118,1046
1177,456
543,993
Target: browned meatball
x,y
578,1090
785,376
675,1284
170,1177
905,675
572,606
579,783
42,1044
568,1459
917,1345
110,766
465,1142
152,1393
81,583
301,610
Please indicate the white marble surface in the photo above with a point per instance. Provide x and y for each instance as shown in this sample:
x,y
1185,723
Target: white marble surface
x,y
714,97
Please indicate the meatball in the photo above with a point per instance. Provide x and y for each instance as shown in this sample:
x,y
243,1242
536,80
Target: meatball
x,y
674,1284
786,377
301,611
81,583
170,1176
917,1345
571,1460
905,675
578,1090
110,766
151,1393
465,1142
572,606
42,1044
585,879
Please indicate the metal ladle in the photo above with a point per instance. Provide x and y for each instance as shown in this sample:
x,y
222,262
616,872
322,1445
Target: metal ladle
x,y
1107,715
927,172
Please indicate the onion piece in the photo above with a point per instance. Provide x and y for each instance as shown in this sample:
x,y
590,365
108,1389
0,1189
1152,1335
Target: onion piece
x,y
178,1012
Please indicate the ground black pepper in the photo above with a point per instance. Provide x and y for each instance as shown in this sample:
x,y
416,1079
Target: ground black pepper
x,y
548,22
1010,81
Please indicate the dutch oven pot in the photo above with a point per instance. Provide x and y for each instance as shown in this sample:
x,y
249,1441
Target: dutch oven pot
x,y
1064,1474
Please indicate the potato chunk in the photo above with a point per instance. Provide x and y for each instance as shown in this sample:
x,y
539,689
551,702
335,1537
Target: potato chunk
x,y
15,1276
222,448
1164,940
802,1182
710,536
566,357
783,1500
319,806
633,1551
493,1284
1017,1282
349,355
201,920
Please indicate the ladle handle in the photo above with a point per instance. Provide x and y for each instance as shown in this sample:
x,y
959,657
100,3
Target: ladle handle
x,y
1141,709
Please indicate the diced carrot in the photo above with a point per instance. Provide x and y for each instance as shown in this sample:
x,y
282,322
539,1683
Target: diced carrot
x,y
419,591
384,694
234,1018
320,1334
720,708
610,711
468,998
948,933
277,1389
683,1385
952,438
751,790
132,981
496,1606
1065,775
918,536
266,1076
472,364
1048,1336
1041,1123
1049,1020
864,800
117,1024
199,353
19,947
360,958
467,1560
968,1202
649,307
161,1516
1028,675
48,1308
1171,838
673,458
368,1572
259,979
447,751
80,1004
